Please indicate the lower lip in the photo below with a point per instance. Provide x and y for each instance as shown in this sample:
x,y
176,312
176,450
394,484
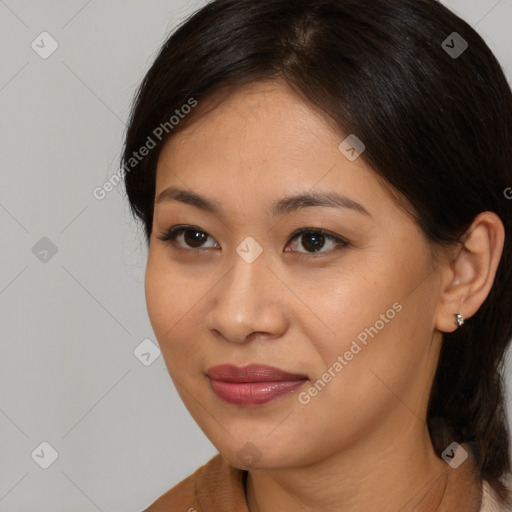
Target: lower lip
x,y
253,393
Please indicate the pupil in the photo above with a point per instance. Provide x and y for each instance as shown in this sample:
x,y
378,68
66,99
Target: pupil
x,y
317,243
197,240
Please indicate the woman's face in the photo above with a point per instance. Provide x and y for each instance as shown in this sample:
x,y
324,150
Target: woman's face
x,y
353,311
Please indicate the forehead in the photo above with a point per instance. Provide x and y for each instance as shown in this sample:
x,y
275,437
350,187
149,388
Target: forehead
x,y
261,125
260,115
263,141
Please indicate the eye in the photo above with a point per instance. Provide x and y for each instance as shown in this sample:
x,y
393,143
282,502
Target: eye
x,y
191,235
313,239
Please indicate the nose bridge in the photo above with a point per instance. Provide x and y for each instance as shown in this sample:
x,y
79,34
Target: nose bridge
x,y
246,285
245,298
250,269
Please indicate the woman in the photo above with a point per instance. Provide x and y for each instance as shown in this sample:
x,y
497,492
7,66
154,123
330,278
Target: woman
x,y
323,186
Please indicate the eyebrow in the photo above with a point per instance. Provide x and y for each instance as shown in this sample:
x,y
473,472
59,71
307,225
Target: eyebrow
x,y
281,207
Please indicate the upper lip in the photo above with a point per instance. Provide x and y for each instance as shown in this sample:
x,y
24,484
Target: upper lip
x,y
251,373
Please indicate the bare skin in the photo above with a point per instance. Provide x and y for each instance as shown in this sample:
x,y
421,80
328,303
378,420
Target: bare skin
x,y
360,443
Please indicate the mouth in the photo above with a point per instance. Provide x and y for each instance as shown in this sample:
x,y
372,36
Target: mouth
x,y
252,385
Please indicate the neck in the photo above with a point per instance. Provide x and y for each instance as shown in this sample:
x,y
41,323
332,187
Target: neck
x,y
407,476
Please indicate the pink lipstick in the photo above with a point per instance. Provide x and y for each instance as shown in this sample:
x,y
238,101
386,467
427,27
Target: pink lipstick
x,y
252,385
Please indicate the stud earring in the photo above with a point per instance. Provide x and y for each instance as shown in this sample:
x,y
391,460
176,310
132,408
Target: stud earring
x,y
459,319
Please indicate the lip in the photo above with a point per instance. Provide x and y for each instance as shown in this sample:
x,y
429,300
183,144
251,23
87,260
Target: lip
x,y
252,385
251,373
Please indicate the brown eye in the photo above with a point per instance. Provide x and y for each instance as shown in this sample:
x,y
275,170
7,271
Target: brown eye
x,y
192,237
314,240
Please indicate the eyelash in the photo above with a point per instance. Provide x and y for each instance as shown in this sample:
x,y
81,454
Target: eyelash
x,y
170,236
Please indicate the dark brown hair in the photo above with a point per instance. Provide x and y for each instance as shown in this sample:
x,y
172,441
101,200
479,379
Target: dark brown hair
x,y
437,127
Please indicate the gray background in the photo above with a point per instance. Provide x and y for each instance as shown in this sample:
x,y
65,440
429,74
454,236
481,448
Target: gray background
x,y
70,321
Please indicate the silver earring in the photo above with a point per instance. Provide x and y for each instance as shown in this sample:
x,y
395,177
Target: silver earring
x,y
459,319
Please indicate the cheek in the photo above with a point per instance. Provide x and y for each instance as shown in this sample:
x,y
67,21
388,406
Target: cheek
x,y
370,319
352,304
158,291
379,356
175,300
169,301
169,291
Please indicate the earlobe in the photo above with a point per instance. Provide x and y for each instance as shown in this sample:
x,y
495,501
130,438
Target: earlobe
x,y
470,274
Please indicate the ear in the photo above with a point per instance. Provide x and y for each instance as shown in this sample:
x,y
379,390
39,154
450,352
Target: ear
x,y
468,273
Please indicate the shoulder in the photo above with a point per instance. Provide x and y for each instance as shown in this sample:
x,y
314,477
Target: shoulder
x,y
490,501
181,495
215,484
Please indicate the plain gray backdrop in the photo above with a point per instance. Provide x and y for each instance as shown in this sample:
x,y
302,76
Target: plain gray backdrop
x,y
82,389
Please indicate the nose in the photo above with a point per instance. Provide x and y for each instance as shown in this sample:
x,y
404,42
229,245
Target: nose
x,y
248,303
